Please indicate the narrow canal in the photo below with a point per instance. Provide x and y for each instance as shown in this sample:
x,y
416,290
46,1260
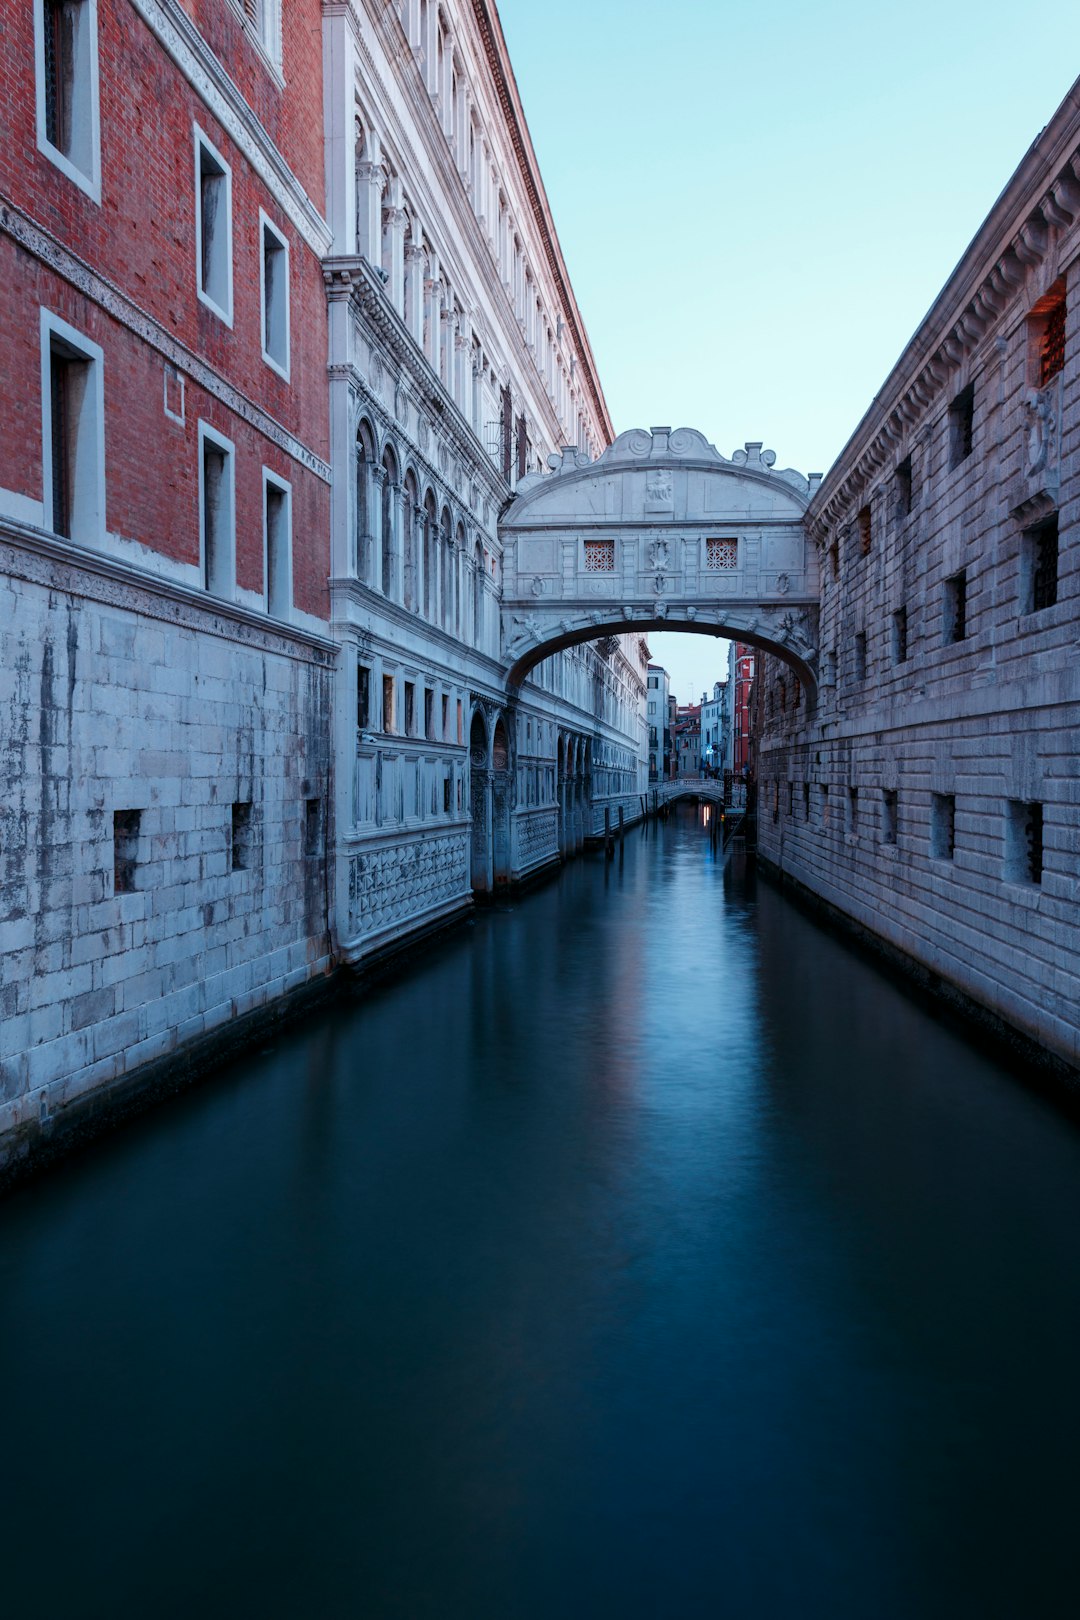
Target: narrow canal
x,y
640,1252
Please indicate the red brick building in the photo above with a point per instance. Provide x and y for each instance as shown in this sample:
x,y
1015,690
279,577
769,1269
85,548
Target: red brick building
x,y
164,523
741,677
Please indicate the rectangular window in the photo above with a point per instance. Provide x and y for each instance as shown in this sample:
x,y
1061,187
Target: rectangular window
x,y
599,556
217,513
213,228
263,18
962,425
954,620
905,490
1048,323
899,636
791,798
429,715
410,709
312,829
66,73
943,826
853,809
73,432
125,849
888,815
806,801
277,538
1024,841
446,795
445,718
363,697
1039,565
834,559
866,531
240,838
860,655
388,703
275,296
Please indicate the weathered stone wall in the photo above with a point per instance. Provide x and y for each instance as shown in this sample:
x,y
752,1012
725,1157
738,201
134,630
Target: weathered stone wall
x,y
904,799
116,695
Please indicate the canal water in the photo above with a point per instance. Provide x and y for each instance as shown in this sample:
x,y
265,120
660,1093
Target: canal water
x,y
641,1251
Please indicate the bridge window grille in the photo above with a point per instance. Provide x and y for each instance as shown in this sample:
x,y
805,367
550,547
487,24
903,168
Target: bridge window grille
x,y
955,625
721,554
599,556
905,490
1052,346
962,426
900,636
943,826
866,530
1040,565
888,815
1024,841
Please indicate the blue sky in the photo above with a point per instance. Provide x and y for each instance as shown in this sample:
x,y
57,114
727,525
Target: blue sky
x,y
757,205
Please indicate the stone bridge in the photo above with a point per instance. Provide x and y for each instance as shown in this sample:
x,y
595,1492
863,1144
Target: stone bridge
x,y
661,532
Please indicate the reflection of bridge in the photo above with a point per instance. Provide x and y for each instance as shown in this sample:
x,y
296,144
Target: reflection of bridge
x,y
660,532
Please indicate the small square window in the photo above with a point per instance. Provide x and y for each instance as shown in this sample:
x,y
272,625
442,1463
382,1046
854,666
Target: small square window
x,y
954,619
213,228
1024,841
943,826
900,636
888,815
905,488
1039,565
126,825
240,846
274,289
962,426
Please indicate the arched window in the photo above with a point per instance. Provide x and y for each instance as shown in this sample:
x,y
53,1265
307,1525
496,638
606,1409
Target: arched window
x,y
365,499
446,571
430,555
408,520
389,502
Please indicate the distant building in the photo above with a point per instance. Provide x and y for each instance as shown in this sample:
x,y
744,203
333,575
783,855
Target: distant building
x,y
716,729
687,740
740,681
656,719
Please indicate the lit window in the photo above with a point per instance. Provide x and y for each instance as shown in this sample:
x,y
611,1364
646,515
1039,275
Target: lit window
x,y
721,554
65,41
275,297
599,556
213,227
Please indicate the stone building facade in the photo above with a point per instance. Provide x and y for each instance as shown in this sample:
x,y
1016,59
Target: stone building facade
x,y
933,794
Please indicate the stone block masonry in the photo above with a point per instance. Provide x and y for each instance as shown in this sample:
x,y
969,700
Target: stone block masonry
x,y
141,731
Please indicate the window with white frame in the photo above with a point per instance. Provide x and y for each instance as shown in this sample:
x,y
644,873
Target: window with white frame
x,y
217,512
213,227
277,536
274,283
73,432
66,73
263,21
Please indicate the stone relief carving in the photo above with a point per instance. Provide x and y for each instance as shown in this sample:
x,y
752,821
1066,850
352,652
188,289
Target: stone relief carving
x,y
659,490
658,553
390,885
1040,422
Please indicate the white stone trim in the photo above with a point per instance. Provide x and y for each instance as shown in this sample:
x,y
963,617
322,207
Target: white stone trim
x,y
273,480
87,179
143,326
203,143
88,513
22,508
182,41
266,224
227,579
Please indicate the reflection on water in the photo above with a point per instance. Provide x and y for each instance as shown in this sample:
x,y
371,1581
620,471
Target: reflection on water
x,y
641,1252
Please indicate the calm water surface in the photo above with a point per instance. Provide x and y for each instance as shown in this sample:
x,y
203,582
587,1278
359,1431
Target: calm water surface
x,y
641,1252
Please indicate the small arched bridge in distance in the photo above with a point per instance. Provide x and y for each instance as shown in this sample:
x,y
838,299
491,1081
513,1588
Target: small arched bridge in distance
x,y
661,532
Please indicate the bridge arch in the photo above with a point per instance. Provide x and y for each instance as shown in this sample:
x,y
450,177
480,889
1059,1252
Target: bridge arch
x,y
661,532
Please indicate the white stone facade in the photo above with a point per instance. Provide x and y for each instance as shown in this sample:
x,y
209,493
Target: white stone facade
x,y
458,364
934,795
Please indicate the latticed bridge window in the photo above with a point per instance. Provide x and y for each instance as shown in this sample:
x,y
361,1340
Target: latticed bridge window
x,y
1052,347
599,556
721,554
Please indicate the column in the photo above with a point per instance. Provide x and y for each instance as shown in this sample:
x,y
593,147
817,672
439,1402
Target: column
x,y
414,286
370,180
339,79
395,223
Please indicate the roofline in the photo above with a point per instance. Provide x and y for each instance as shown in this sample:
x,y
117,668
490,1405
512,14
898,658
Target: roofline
x,y
502,73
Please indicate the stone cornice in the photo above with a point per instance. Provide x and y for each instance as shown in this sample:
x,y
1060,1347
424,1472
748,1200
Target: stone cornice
x,y
1031,222
498,59
45,247
353,278
62,565
177,34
